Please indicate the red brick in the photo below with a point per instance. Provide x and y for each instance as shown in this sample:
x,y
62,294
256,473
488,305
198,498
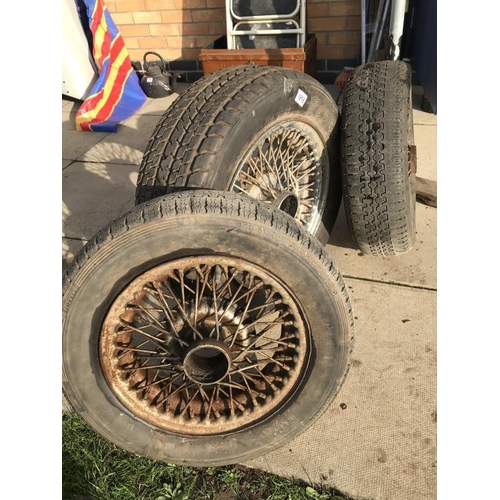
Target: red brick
x,y
217,29
147,17
330,52
175,42
353,23
153,43
194,29
344,38
209,15
135,30
136,54
164,29
123,18
190,4
159,4
344,8
327,24
176,16
317,10
131,43
322,39
129,5
171,54
351,51
189,42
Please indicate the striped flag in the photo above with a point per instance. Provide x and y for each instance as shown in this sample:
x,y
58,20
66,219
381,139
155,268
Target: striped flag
x,y
116,95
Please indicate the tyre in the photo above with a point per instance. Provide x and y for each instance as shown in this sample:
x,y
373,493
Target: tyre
x,y
203,328
267,132
379,158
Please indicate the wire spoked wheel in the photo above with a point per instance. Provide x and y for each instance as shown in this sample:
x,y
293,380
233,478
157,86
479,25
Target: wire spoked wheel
x,y
268,132
287,167
207,349
204,345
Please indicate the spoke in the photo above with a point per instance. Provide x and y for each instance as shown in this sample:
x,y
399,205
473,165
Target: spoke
x,y
182,311
257,338
153,339
216,306
251,179
273,360
231,302
204,277
213,397
168,314
243,316
181,281
135,349
274,377
182,387
276,302
259,321
250,367
250,391
233,400
256,166
183,296
188,404
151,367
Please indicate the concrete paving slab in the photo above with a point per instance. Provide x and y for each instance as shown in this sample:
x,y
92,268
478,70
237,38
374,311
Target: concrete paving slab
x,y
415,268
382,446
94,194
65,163
70,105
426,141
127,145
76,142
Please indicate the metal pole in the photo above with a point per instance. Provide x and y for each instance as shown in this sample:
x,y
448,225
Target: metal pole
x,y
383,9
396,28
363,32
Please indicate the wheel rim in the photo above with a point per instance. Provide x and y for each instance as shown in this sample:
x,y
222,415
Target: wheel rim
x,y
288,160
204,345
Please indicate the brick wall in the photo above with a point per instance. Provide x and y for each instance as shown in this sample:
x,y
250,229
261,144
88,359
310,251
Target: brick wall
x,y
178,29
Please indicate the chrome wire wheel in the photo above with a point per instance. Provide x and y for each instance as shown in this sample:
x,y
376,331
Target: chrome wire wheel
x,y
204,345
288,167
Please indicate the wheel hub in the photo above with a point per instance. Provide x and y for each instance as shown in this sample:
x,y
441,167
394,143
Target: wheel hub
x,y
288,203
207,361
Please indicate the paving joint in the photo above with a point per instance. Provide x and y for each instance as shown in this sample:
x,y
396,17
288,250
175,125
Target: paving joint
x,y
382,282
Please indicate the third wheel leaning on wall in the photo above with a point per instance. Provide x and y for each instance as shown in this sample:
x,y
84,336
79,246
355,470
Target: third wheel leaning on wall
x,y
379,158
267,132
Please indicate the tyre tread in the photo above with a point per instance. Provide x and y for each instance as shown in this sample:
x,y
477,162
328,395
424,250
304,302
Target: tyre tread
x,y
374,158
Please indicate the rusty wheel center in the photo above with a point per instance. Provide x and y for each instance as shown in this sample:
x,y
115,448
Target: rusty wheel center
x,y
207,361
204,345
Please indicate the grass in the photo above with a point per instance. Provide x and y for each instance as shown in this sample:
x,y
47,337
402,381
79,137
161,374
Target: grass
x,y
94,469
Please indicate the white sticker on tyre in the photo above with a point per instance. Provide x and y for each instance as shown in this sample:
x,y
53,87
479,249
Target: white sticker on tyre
x,y
301,98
